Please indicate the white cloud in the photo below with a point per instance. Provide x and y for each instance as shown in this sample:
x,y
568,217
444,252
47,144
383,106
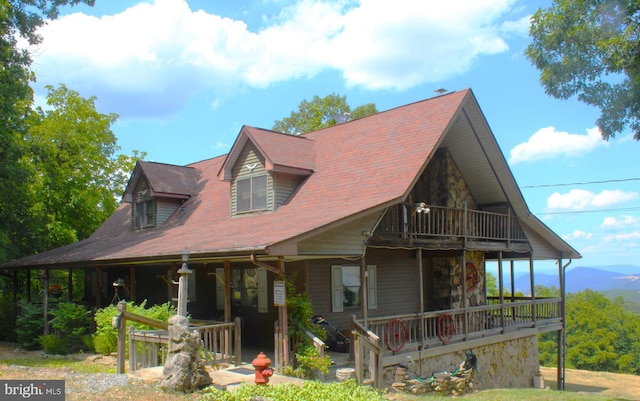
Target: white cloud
x,y
154,56
580,199
548,143
577,234
634,235
623,221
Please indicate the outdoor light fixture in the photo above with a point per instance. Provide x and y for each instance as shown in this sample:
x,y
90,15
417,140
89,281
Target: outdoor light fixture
x,y
185,255
422,208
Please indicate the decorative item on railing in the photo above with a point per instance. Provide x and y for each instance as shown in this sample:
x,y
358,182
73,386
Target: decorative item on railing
x,y
396,335
446,327
472,278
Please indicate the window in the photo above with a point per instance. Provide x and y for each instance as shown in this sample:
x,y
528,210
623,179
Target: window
x,y
346,287
145,214
251,194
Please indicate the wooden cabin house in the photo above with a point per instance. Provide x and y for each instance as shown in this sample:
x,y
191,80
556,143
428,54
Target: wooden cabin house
x,y
387,222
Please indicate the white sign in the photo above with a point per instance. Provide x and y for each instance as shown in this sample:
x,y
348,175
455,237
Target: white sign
x,y
279,293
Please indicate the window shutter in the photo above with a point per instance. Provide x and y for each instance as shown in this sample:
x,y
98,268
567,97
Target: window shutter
x,y
336,289
372,287
263,294
219,288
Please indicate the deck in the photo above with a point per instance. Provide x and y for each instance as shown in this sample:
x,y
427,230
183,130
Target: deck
x,y
386,341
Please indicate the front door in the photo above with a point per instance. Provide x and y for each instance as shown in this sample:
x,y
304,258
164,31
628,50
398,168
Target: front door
x,y
251,300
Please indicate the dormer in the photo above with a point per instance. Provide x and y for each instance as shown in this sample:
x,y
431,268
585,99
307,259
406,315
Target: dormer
x,y
157,190
264,169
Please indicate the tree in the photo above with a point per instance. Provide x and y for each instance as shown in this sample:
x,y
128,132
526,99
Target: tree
x,y
77,178
18,19
601,335
321,113
591,48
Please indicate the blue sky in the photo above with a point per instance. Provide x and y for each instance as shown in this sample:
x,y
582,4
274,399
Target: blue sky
x,y
185,75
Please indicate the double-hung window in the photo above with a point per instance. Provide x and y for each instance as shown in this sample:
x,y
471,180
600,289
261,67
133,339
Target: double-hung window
x,y
145,214
251,193
346,287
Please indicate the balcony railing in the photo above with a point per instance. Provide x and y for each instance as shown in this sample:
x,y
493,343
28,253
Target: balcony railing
x,y
436,222
379,344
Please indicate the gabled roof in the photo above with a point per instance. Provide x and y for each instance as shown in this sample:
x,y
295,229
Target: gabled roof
x,y
165,180
282,152
360,168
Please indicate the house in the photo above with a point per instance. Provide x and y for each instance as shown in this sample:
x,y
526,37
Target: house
x,y
387,222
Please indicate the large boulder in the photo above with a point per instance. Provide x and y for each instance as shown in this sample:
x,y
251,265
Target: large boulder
x,y
184,370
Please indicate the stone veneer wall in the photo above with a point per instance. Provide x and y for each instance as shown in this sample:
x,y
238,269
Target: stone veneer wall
x,y
508,364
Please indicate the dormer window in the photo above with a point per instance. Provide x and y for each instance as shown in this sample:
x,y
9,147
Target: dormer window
x,y
251,193
145,214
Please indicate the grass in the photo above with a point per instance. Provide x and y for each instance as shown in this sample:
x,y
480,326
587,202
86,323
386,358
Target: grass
x,y
69,365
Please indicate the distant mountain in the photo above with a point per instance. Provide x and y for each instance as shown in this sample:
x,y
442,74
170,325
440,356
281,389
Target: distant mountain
x,y
601,278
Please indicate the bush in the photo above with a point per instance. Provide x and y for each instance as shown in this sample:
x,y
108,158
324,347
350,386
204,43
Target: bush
x,y
29,325
7,318
71,322
309,363
53,344
106,336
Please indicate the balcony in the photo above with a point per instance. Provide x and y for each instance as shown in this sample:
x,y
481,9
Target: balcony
x,y
383,342
443,227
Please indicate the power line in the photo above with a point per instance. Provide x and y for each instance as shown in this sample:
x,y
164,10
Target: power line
x,y
579,183
622,209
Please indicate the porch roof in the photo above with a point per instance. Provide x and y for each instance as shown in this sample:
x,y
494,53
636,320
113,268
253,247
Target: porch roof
x,y
360,168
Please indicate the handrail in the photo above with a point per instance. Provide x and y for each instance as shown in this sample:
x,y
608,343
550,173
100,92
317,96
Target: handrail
x,y
317,343
438,222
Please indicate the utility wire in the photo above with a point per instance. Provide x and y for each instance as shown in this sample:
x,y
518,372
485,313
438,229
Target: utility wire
x,y
579,183
623,209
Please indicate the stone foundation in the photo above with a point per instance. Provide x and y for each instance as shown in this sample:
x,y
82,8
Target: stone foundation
x,y
508,364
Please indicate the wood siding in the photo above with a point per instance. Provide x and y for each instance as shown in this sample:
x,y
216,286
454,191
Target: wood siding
x,y
165,208
249,156
141,193
343,240
397,285
285,185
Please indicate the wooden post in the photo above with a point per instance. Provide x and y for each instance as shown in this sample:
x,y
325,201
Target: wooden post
x,y
421,280
227,291
70,284
364,294
284,320
183,288
45,300
501,290
98,287
533,290
119,322
237,340
132,283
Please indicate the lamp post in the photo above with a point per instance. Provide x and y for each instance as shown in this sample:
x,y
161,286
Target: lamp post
x,y
183,283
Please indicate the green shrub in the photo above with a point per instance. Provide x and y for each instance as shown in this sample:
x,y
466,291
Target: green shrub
x,y
106,337
71,322
29,325
309,363
309,390
53,344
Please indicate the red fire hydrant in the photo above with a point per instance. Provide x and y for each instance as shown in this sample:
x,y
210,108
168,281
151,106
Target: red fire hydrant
x,y
262,365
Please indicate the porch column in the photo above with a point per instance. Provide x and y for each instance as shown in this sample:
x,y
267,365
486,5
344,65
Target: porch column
x,y
70,284
513,284
284,320
463,284
560,340
364,294
98,287
227,291
501,290
15,286
132,283
533,290
45,300
421,279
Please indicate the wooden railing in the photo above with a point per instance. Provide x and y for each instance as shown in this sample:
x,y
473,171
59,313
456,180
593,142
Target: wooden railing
x,y
383,337
436,222
149,348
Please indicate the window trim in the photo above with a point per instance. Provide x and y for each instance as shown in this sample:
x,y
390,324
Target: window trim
x,y
145,216
252,194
